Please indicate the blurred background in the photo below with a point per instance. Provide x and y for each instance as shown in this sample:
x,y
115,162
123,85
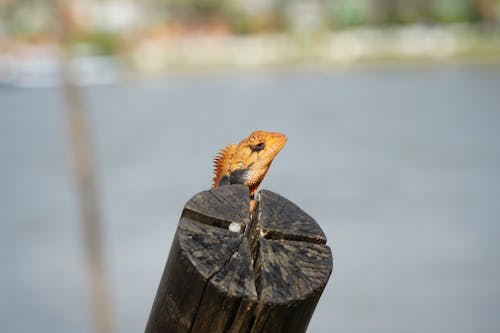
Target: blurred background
x,y
112,110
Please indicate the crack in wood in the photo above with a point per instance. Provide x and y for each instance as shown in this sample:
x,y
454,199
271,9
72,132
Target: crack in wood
x,y
208,220
253,235
277,235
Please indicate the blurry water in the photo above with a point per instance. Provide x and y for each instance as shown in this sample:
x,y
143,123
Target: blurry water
x,y
400,167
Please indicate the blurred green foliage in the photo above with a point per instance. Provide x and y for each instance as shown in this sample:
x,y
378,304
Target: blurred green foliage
x,y
31,17
97,42
448,11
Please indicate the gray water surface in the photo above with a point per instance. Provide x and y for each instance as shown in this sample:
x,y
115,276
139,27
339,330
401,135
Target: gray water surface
x,y
401,168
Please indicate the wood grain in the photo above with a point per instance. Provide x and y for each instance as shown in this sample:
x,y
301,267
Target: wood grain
x,y
266,278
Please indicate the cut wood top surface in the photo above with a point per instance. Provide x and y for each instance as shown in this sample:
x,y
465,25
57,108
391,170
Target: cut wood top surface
x,y
280,255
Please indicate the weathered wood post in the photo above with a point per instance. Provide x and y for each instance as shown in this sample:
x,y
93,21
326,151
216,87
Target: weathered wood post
x,y
266,278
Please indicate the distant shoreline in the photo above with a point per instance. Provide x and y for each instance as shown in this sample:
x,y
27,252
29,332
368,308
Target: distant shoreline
x,y
36,64
357,46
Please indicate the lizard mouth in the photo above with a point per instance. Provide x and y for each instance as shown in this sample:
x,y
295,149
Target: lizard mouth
x,y
278,142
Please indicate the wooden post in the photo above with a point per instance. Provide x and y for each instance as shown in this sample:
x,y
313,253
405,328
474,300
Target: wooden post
x,y
80,149
266,278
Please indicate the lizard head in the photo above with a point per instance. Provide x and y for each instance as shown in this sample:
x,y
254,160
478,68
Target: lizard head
x,y
247,163
258,150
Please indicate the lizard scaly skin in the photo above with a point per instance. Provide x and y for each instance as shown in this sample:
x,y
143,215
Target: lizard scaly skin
x,y
247,162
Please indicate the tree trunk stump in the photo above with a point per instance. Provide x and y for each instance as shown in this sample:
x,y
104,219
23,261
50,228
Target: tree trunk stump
x,y
266,278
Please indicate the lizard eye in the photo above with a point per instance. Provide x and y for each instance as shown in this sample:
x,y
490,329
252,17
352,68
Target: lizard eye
x,y
257,147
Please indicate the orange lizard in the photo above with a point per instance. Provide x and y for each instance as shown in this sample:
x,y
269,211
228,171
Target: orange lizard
x,y
247,162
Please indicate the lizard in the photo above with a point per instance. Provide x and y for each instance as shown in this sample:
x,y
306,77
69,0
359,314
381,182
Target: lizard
x,y
247,162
